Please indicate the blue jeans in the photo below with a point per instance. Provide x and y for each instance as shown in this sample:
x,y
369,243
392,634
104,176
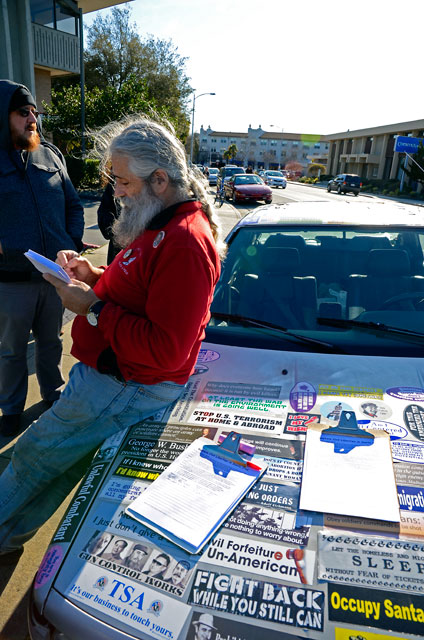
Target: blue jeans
x,y
46,462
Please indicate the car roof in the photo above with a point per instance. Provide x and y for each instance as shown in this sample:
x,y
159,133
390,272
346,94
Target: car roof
x,y
345,213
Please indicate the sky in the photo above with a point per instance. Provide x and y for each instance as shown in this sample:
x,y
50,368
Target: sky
x,y
299,66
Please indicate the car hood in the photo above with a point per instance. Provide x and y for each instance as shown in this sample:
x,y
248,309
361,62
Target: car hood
x,y
262,393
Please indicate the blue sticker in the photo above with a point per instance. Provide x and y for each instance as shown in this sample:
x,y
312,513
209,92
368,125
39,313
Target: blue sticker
x,y
207,355
303,396
200,368
332,410
407,393
395,431
411,498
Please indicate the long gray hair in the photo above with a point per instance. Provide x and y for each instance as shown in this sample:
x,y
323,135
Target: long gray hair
x,y
151,145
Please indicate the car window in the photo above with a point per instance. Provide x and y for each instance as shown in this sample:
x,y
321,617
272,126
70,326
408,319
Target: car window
x,y
293,277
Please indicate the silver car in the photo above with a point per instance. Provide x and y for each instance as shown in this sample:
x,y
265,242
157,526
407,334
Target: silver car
x,y
213,175
274,179
316,320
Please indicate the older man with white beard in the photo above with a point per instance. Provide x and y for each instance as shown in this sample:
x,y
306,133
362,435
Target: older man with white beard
x,y
139,326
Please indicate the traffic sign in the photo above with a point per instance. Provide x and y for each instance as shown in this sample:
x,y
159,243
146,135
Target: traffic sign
x,y
405,144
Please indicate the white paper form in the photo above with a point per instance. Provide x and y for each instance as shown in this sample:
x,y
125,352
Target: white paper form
x,y
358,483
189,499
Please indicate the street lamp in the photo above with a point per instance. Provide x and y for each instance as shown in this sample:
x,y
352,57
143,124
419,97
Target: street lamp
x,y
192,120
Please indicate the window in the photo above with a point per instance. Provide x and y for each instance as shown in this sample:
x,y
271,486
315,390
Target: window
x,y
204,139
55,14
263,143
295,143
273,143
317,145
224,140
213,140
66,19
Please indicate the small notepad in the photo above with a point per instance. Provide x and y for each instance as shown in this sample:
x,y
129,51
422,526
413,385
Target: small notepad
x,y
45,265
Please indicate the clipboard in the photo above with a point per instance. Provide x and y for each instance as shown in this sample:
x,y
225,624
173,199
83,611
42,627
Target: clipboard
x,y
192,498
349,471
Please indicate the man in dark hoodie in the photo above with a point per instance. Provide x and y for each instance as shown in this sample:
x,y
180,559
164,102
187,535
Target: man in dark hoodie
x,y
39,210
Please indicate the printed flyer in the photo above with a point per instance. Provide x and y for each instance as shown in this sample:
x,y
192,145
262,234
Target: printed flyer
x,y
381,563
266,601
128,602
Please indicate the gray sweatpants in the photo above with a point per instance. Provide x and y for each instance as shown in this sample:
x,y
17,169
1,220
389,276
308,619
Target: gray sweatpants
x,y
26,306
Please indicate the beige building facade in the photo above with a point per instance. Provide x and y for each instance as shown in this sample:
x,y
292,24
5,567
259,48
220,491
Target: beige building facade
x,y
370,152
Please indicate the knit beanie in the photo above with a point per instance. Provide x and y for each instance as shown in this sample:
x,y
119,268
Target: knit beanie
x,y
21,98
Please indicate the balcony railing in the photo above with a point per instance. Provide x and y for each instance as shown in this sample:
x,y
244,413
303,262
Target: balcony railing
x,y
56,49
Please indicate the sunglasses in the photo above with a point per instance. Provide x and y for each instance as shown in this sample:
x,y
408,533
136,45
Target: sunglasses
x,y
24,113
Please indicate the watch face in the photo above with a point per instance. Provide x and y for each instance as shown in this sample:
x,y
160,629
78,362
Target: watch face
x,y
92,318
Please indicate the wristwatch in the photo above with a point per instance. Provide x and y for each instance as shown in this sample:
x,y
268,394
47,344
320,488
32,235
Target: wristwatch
x,y
94,312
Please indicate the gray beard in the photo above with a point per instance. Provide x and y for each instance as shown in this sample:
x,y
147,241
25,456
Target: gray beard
x,y
136,213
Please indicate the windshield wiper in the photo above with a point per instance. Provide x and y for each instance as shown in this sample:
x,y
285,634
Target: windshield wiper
x,y
378,327
269,325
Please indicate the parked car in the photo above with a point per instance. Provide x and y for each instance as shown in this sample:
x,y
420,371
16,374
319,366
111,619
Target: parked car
x,y
247,187
213,175
274,178
345,183
317,314
226,172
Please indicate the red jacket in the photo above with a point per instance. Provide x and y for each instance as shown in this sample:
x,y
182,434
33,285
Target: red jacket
x,y
158,292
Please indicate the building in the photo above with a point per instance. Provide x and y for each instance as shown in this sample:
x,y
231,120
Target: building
x,y
40,39
261,149
370,152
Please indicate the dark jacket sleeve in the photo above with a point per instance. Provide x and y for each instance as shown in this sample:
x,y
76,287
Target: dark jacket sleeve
x,y
74,211
107,212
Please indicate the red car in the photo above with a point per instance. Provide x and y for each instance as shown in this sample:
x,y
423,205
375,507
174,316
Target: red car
x,y
247,187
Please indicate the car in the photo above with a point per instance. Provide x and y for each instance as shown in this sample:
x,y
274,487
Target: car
x,y
247,186
226,172
213,175
345,183
274,178
316,326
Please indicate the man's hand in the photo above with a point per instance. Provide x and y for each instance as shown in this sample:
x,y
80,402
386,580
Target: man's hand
x,y
77,296
78,268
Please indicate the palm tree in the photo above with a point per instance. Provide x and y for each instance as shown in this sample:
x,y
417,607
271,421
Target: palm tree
x,y
231,152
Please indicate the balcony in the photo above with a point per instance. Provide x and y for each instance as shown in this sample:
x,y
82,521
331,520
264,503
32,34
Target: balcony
x,y
56,50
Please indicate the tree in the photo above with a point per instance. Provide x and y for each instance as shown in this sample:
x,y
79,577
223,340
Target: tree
x,y
231,152
102,105
115,52
415,170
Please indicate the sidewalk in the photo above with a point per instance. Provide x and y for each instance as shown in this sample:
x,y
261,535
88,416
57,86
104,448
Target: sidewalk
x,y
16,581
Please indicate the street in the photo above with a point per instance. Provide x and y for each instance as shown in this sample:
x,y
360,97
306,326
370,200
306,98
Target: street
x,y
298,192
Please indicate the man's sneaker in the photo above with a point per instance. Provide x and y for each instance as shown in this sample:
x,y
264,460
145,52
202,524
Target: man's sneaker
x,y
10,425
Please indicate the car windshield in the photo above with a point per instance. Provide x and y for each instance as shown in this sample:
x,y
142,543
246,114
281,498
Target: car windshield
x,y
316,281
230,171
251,179
213,170
276,174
